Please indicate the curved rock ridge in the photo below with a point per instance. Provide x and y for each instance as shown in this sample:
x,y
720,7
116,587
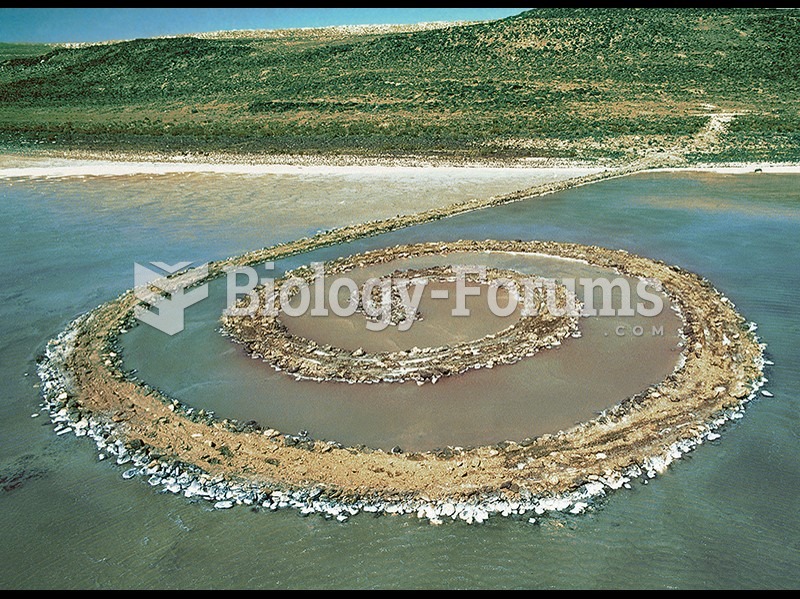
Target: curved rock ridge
x,y
265,335
184,450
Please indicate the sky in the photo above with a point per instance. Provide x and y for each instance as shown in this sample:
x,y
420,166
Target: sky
x,y
102,24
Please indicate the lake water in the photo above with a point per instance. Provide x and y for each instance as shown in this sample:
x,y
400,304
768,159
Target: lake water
x,y
724,517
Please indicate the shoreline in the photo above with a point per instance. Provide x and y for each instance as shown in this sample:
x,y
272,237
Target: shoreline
x,y
253,163
16,166
112,169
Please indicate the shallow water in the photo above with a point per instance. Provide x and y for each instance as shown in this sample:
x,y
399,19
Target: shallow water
x,y
724,518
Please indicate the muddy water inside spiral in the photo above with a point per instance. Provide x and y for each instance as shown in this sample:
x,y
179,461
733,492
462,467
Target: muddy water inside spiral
x,y
428,323
615,357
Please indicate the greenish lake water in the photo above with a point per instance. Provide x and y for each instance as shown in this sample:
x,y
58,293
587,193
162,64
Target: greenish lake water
x,y
724,517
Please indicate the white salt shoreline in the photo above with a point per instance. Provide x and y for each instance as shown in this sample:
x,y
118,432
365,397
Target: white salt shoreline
x,y
66,167
62,168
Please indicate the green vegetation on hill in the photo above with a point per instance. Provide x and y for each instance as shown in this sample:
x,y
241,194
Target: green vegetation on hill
x,y
605,83
16,51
